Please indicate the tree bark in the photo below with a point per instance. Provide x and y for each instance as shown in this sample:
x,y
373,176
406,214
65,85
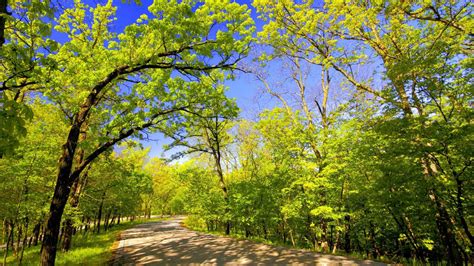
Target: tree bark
x,y
14,249
36,232
224,190
347,235
3,13
445,230
99,215
9,234
77,188
216,152
25,238
61,193
107,220
460,209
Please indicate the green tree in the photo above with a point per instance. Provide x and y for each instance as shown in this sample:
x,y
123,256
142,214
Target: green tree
x,y
165,186
207,132
24,38
27,176
418,53
154,56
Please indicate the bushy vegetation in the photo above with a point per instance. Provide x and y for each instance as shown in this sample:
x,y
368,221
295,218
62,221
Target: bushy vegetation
x,y
364,144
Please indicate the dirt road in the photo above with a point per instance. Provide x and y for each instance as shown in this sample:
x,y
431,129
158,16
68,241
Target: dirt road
x,y
167,243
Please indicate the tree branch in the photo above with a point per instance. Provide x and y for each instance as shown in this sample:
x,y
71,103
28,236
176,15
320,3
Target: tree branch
x,y
123,134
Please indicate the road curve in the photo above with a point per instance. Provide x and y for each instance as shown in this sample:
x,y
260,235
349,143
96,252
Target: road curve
x,y
168,243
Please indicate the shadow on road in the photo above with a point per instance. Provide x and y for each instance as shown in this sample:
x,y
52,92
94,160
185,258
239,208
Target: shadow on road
x,y
168,243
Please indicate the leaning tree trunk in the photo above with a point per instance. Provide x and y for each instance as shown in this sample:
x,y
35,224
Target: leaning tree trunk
x,y
77,187
50,239
64,181
446,230
445,226
61,193
347,234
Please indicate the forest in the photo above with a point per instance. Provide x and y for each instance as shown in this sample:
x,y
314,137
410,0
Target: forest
x,y
359,140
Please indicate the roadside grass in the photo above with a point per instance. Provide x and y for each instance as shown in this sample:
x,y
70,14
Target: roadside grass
x,y
87,249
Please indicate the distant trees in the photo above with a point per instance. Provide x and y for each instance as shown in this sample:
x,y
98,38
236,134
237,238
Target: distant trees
x,y
207,133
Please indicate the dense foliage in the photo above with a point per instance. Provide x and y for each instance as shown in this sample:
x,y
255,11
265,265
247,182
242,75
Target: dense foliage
x,y
366,145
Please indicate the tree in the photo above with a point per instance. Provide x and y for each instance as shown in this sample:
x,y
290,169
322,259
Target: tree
x,y
162,59
418,53
27,176
24,36
206,132
165,186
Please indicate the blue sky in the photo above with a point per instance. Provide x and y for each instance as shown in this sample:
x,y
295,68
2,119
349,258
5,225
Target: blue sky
x,y
244,88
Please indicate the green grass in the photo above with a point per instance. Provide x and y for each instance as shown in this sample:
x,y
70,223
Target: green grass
x,y
88,249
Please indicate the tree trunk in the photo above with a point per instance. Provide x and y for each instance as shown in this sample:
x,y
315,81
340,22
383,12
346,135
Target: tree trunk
x,y
15,247
86,227
347,235
99,215
405,226
107,220
460,209
373,243
3,14
265,233
336,243
61,232
5,234
247,232
443,219
63,187
36,233
51,234
445,230
8,240
25,238
224,190
67,238
114,216
77,188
